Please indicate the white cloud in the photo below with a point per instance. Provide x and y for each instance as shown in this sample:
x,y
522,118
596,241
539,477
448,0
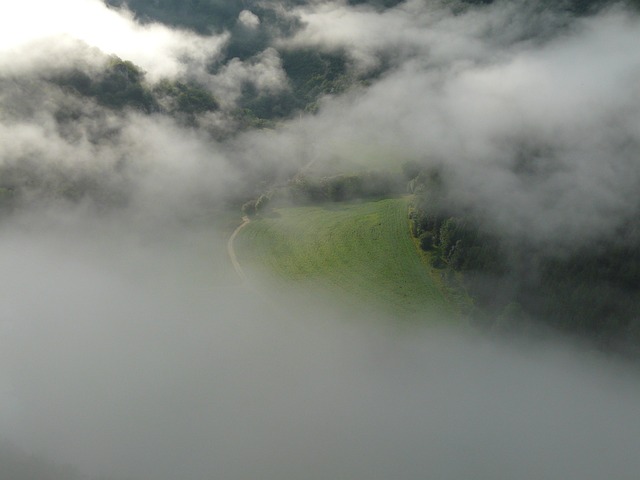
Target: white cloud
x,y
264,71
412,29
249,19
32,30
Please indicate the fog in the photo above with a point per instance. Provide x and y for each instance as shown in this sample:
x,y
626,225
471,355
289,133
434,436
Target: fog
x,y
139,355
129,348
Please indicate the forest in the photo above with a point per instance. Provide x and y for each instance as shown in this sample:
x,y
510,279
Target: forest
x,y
591,289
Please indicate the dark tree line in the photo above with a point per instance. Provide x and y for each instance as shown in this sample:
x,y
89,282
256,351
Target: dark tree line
x,y
592,291
345,187
308,189
580,7
121,84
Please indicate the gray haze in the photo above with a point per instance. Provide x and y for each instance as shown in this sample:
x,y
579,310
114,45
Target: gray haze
x,y
129,349
139,355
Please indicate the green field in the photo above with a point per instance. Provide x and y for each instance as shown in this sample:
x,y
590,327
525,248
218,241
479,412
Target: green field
x,y
362,252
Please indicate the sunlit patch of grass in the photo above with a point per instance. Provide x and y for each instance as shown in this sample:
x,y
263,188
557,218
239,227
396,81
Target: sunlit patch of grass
x,y
360,250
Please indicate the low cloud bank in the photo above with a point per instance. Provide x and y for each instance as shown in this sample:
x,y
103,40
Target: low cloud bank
x,y
135,353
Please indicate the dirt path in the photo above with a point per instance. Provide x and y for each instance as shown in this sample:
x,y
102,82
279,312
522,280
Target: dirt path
x,y
236,265
231,250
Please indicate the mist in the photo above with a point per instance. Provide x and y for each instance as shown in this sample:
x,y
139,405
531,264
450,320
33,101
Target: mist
x,y
129,347
139,355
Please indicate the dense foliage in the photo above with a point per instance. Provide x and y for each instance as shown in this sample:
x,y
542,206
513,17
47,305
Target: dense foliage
x,y
309,189
120,84
592,290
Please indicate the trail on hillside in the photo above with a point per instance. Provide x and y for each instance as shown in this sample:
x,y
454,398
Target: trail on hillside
x,y
231,248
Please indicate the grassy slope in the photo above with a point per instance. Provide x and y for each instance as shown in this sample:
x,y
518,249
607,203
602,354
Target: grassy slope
x,y
361,251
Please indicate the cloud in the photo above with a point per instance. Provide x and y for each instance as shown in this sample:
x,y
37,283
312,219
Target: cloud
x,y
38,33
249,19
143,357
149,163
263,71
427,30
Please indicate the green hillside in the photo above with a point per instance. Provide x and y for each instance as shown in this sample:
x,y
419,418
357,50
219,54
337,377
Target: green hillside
x,y
362,252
